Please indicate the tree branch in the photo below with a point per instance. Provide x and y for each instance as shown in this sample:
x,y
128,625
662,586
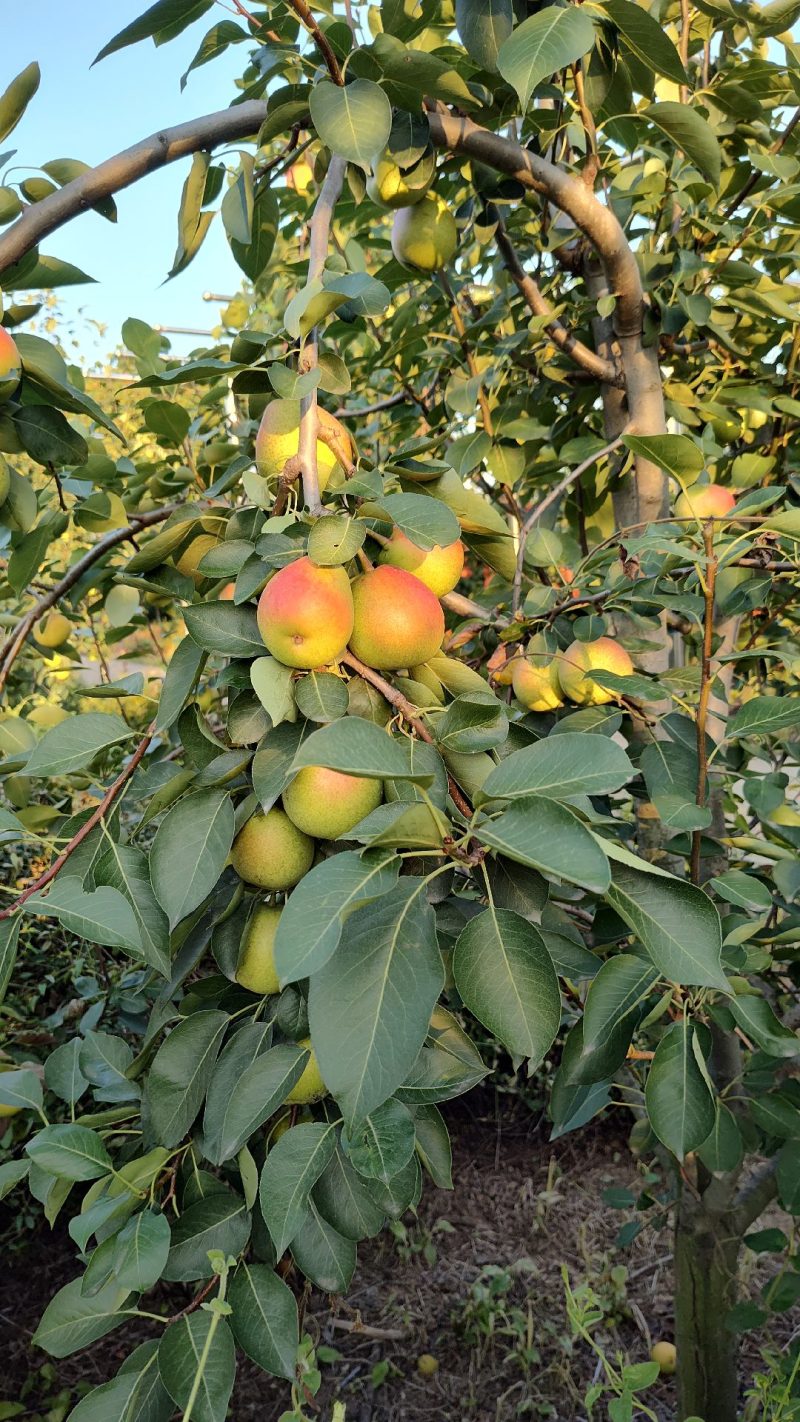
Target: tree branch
x,y
705,691
318,249
755,1194
105,804
581,354
14,643
304,14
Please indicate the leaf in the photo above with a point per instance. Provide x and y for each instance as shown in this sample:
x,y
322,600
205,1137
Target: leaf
x,y
723,1148
679,1100
685,128
677,454
310,927
170,15
448,1065
103,916
237,204
383,1142
104,1061
433,1145
365,1045
70,1152
243,1094
21,1088
264,1319
15,99
614,1005
219,1222
644,35
324,1255
345,1201
482,27
764,716
125,868
321,696
62,1072
757,1020
190,851
354,121
140,1251
9,937
253,256
223,627
426,524
291,1169
559,768
75,743
199,1346
180,1074
505,975
541,46
335,540
676,924
48,437
475,721
272,763
11,1173
546,836
136,1394
358,747
272,684
73,1320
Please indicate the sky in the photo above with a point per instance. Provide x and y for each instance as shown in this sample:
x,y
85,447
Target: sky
x,y
92,113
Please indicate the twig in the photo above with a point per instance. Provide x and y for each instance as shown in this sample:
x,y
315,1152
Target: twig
x,y
757,174
705,690
382,1335
469,354
318,248
403,705
13,645
85,829
195,1303
323,45
683,47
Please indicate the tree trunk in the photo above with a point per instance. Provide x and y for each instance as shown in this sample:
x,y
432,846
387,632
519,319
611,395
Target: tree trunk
x,y
706,1265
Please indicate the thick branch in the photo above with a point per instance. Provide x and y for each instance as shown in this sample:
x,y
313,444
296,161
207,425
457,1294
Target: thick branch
x,y
755,1195
105,804
15,642
582,355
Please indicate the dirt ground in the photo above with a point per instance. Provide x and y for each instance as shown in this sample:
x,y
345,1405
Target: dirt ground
x,y
522,1208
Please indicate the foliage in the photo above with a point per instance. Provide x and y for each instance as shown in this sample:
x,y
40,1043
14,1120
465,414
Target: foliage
x,y
618,874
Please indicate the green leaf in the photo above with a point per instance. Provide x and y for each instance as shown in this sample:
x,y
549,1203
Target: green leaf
x,y
448,1065
103,916
383,1142
237,204
291,1169
344,1200
358,747
685,128
245,1091
220,1221
433,1145
764,716
15,99
757,1020
180,1074
253,256
11,1173
677,454
172,16
21,1088
199,1346
677,925
190,851
136,1394
789,1177
541,46
559,768
70,1152
140,1251
335,540
223,627
272,767
105,1061
9,937
73,1320
62,1072
482,27
365,1046
354,121
505,975
75,743
310,927
723,1149
428,525
324,1255
679,1100
272,684
123,867
48,437
475,721
645,36
321,696
614,1005
264,1319
546,836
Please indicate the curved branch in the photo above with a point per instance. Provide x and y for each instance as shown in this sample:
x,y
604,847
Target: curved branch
x,y
15,642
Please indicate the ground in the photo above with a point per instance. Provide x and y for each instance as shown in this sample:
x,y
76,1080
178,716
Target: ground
x,y
475,1281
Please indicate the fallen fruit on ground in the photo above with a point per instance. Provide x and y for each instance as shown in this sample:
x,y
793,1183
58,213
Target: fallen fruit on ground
x,y
604,654
327,803
397,620
665,1355
438,568
427,1365
305,614
271,852
256,967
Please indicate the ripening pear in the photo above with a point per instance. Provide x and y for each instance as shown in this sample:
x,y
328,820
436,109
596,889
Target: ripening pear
x,y
6,1111
305,614
278,436
438,568
189,560
425,236
392,186
47,716
604,654
300,176
398,621
271,852
310,1086
665,1354
53,630
10,365
705,501
327,803
536,683
256,967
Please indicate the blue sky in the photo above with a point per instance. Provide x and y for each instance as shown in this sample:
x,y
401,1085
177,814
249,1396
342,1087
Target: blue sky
x,y
86,113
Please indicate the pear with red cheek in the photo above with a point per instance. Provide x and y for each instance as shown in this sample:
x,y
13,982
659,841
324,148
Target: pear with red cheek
x,y
10,365
398,621
705,501
305,614
604,654
438,568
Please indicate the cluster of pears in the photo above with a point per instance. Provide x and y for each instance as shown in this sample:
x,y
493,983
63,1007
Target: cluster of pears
x,y
542,678
424,232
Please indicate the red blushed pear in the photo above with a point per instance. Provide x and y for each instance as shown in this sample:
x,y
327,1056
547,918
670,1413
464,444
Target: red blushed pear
x,y
398,621
439,568
604,654
10,365
305,614
705,501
